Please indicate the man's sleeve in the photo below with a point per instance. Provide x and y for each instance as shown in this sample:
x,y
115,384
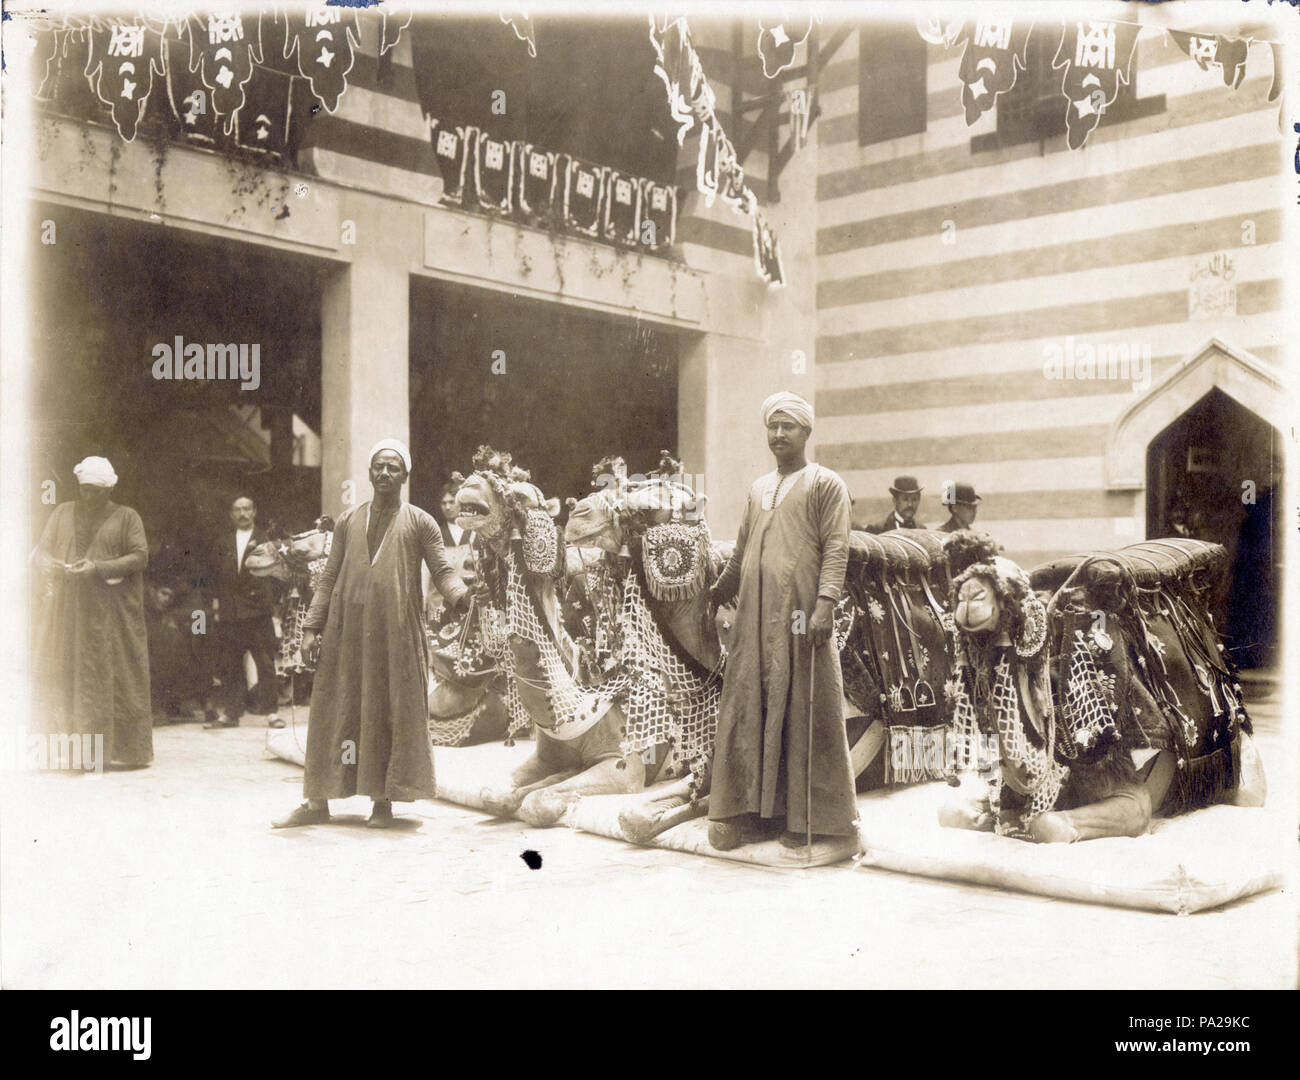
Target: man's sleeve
x,y
446,579
832,510
135,550
728,582
320,599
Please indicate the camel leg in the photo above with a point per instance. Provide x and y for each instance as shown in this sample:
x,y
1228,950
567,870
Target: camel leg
x,y
545,807
967,807
669,807
966,813
529,777
1125,813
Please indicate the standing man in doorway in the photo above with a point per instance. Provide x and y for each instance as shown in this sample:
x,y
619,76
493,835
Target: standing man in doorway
x,y
369,727
243,608
788,569
962,502
907,497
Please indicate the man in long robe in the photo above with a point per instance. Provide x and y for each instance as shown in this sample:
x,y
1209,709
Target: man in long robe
x,y
788,569
368,733
90,658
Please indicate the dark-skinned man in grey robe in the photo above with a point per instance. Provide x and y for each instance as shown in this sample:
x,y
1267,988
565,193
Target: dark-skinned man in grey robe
x,y
368,733
788,572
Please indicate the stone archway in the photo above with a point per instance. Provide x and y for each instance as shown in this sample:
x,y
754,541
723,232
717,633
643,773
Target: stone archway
x,y
1242,376
1201,452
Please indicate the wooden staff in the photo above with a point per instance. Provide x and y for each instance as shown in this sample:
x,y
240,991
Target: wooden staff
x,y
812,690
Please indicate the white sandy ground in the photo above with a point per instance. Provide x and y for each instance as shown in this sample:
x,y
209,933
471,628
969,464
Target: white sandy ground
x,y
171,877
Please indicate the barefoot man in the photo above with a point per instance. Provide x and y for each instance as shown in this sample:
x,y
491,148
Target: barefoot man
x,y
788,568
368,733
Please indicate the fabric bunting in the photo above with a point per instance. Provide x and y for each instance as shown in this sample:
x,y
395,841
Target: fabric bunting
x,y
123,59
522,25
325,39
994,50
1096,56
223,50
777,40
1215,50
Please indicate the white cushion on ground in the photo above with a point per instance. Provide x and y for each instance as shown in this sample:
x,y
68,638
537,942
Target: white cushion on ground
x,y
1183,864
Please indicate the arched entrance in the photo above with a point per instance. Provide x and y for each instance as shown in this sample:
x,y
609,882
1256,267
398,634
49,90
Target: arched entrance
x,y
1204,444
1213,475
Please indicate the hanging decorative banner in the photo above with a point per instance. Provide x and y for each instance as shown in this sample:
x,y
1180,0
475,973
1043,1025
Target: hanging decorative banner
x,y
42,44
451,150
396,18
189,99
124,58
995,48
622,208
263,123
536,169
659,210
223,49
707,172
938,32
584,184
1096,56
731,176
777,40
1275,88
1214,50
767,252
494,173
717,166
325,39
522,25
678,66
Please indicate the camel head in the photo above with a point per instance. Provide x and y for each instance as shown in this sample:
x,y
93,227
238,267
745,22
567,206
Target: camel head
x,y
622,508
493,499
284,557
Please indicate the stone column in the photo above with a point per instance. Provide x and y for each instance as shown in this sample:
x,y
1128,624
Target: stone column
x,y
365,348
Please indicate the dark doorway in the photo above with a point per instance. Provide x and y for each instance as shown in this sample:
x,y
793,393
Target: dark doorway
x,y
568,388
1213,475
104,295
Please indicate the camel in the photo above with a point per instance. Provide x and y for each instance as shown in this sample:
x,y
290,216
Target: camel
x,y
522,561
1101,717
647,585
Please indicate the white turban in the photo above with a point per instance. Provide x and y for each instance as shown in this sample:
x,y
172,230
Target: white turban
x,y
790,404
399,448
97,471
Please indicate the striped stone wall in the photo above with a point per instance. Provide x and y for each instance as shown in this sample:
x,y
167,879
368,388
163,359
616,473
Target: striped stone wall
x,y
932,337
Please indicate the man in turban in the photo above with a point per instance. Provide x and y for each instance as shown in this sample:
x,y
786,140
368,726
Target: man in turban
x,y
90,658
788,571
368,733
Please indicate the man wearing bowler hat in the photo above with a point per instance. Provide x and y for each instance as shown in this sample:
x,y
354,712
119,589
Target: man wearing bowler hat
x,y
907,497
963,503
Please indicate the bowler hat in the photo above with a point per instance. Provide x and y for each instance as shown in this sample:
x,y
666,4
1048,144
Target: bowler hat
x,y
961,493
905,485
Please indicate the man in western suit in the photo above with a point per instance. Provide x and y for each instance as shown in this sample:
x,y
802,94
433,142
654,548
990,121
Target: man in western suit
x,y
907,497
962,502
243,616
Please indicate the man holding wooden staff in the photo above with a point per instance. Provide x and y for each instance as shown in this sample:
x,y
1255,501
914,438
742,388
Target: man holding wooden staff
x,y
781,757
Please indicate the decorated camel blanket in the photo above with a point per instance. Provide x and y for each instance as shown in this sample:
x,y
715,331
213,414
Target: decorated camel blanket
x,y
1184,864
